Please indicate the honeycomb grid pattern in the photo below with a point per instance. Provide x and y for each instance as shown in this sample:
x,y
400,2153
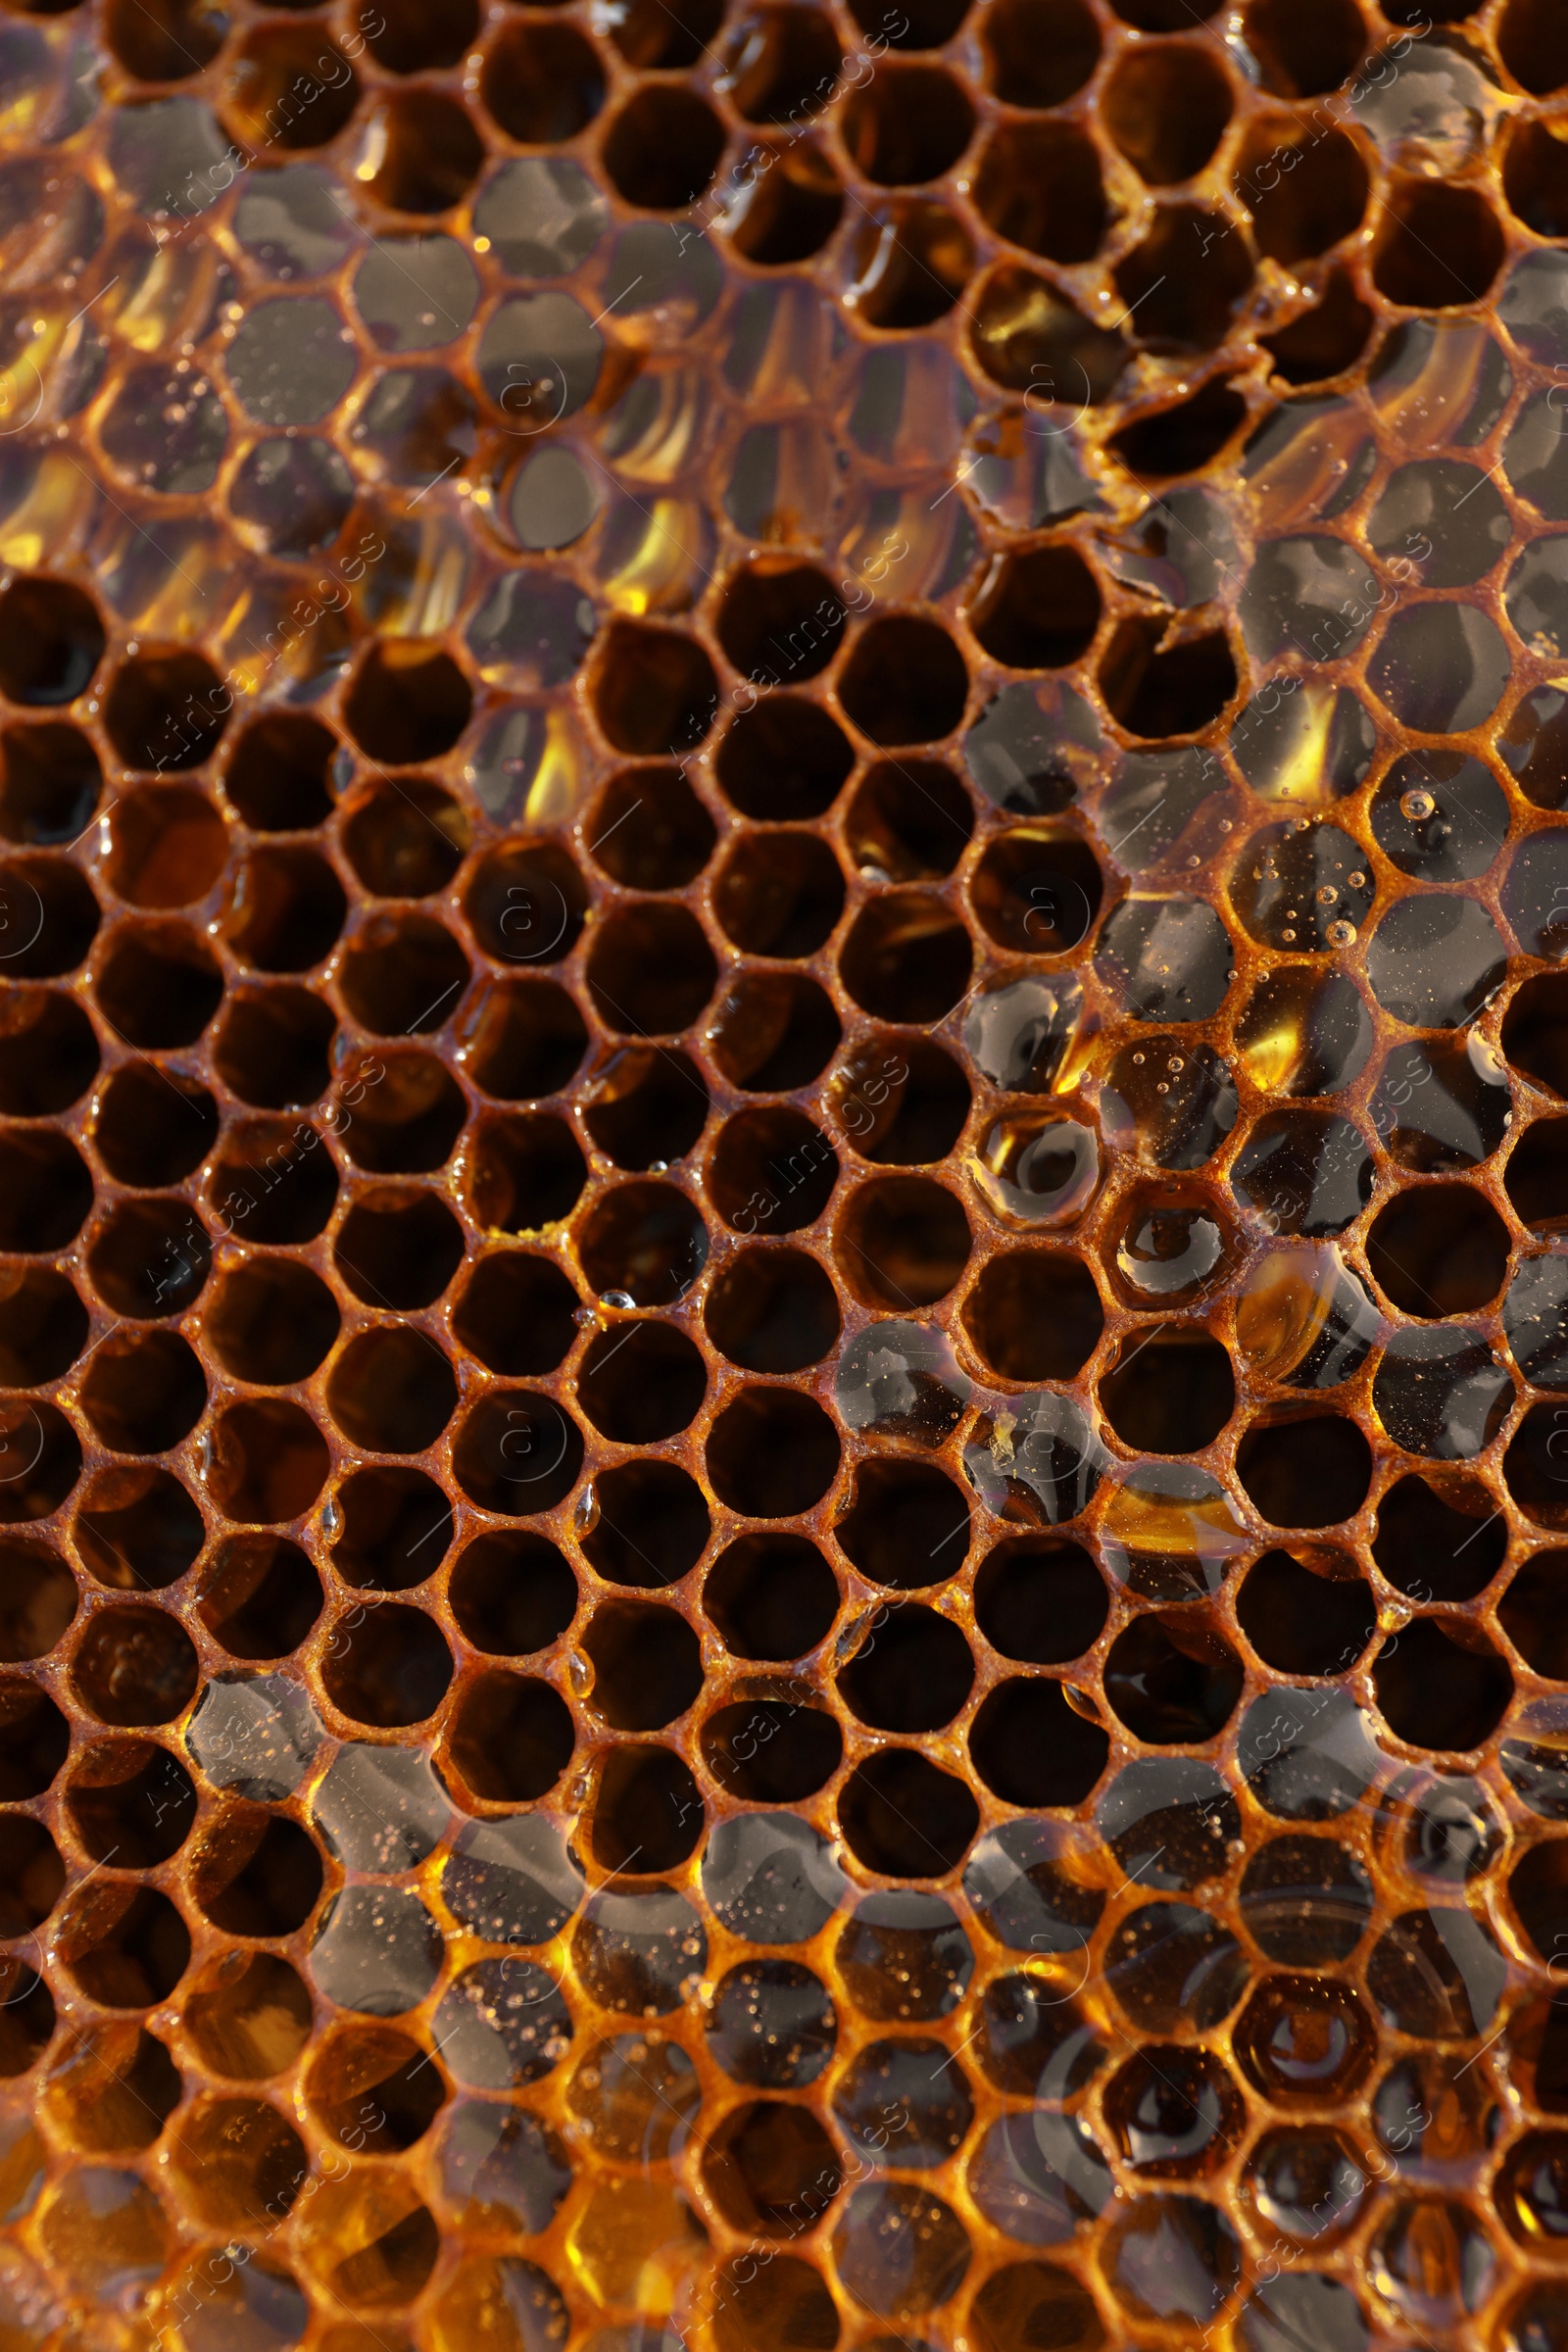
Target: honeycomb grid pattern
x,y
782,1153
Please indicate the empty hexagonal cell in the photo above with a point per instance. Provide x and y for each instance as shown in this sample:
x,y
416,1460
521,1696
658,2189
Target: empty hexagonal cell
x,y
647,1107
773,1310
521,1039
1440,1251
48,1052
279,773
908,1525
386,1666
392,1390
1305,1472
516,1314
1322,198
646,1809
912,1673
1169,1390
1037,891
405,840
1440,1684
542,83
40,1600
43,1326
525,1173
779,893
904,1818
512,1736
771,1171
645,1242
159,985
53,639
1038,609
1157,685
511,1592
398,1247
50,917
1303,55
1040,1600
770,1596
1172,1680
906,957
787,207
144,1391
1166,106
125,1945
28,2018
34,1738
286,909
259,1597
1304,1622
662,148
50,1453
393,1528
772,1453
1439,247
407,1112
272,1182
517,1451
1031,1747
50,781
904,681
1181,439
651,969
1039,185
151,1258
772,1749
271,1321
773,1031
408,709
901,1242
268,1463
136,1528
908,124
784,759
422,152
908,263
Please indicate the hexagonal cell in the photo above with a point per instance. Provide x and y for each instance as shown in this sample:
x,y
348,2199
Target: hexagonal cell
x,y
50,781
1175,2113
422,151
256,1873
511,1594
54,641
48,1052
512,1737
1188,276
1039,185
908,263
542,83
1166,105
1439,247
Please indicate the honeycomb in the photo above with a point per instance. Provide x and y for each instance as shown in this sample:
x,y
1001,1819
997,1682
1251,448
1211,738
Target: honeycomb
x,y
783,1173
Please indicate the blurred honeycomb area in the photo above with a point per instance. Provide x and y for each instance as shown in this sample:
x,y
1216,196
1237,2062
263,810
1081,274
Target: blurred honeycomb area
x,y
784,1176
